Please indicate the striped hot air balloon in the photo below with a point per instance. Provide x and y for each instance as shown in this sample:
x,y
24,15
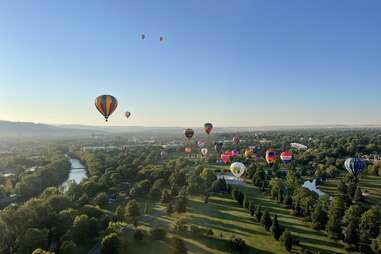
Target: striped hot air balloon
x,y
286,157
236,140
354,166
106,105
270,156
208,127
218,146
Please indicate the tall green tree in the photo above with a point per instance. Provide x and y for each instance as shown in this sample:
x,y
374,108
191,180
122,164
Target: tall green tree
x,y
132,211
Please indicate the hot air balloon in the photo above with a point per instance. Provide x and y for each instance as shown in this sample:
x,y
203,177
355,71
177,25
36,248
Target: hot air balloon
x,y
286,157
161,39
204,151
218,146
237,169
257,157
127,114
208,128
270,156
298,146
248,152
188,133
236,140
225,158
163,154
200,143
234,153
106,105
188,149
354,166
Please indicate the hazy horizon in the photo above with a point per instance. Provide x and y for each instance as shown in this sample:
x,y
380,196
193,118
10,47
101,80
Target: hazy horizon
x,y
242,63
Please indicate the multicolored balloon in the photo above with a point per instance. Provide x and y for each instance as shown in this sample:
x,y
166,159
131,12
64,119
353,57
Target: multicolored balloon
x,y
204,151
354,166
127,114
225,158
188,133
200,143
270,156
188,149
218,146
248,152
237,169
236,140
286,157
208,127
106,105
257,157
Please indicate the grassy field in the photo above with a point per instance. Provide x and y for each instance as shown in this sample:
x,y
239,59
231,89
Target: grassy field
x,y
370,183
226,218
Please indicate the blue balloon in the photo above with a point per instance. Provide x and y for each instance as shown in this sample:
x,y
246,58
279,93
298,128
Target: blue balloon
x,y
354,166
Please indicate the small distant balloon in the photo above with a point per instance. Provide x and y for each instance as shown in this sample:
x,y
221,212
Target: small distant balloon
x,y
163,154
218,146
286,157
204,151
127,114
237,169
208,127
248,152
142,36
354,166
188,133
298,146
225,158
257,157
200,143
161,39
236,140
106,105
270,156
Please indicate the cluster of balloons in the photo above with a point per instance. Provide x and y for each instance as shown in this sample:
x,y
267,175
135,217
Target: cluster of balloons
x,y
143,37
106,105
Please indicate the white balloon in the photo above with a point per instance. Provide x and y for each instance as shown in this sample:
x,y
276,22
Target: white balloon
x,y
237,169
204,151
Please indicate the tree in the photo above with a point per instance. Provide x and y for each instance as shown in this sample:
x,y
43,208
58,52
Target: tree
x,y
266,220
169,209
319,217
376,245
251,208
370,223
132,211
138,234
358,195
245,203
41,251
351,233
287,240
180,225
146,208
258,213
352,214
276,230
181,204
80,228
288,200
110,244
334,226
208,175
178,246
120,213
68,247
158,233
101,199
166,196
33,238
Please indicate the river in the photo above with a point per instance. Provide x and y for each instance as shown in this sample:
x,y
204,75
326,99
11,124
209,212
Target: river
x,y
77,172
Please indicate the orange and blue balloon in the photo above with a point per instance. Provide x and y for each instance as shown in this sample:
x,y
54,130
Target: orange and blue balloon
x,y
106,105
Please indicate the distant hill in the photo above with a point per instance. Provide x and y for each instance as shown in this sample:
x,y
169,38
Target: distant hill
x,y
28,129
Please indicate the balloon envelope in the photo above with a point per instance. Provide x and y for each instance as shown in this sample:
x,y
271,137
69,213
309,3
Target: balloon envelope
x,y
354,166
225,158
204,151
270,156
106,105
208,128
298,146
188,149
200,143
236,140
237,169
286,157
188,133
163,154
218,146
248,152
127,114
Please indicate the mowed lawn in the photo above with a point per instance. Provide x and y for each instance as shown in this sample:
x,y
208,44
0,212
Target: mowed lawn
x,y
372,184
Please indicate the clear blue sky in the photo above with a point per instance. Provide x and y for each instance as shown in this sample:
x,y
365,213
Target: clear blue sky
x,y
233,63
